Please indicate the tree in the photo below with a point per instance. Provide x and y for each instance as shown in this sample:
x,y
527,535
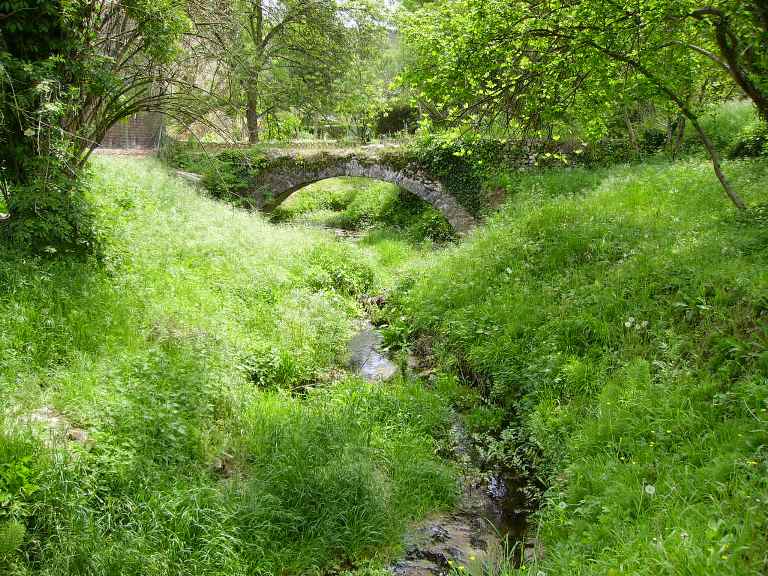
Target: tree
x,y
741,37
364,92
273,55
533,62
69,70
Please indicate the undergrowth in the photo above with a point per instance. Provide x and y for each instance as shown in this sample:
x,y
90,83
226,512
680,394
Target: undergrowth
x,y
190,357
612,322
617,323
361,204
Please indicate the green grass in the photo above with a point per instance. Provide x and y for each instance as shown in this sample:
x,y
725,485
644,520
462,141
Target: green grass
x,y
397,231
363,204
725,122
618,322
615,321
193,354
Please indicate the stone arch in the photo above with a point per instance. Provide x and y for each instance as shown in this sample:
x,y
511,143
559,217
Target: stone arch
x,y
281,177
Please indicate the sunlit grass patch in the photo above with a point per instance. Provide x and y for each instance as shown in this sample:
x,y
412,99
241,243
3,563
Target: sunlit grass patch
x,y
620,319
363,204
181,355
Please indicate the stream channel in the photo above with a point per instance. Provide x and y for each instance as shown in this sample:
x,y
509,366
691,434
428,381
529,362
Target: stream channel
x,y
488,527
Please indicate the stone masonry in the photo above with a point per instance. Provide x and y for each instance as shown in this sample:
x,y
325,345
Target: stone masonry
x,y
284,175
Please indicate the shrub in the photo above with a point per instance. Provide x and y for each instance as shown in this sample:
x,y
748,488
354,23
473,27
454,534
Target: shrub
x,y
339,268
652,140
51,216
21,467
451,162
335,195
725,122
752,142
228,175
186,156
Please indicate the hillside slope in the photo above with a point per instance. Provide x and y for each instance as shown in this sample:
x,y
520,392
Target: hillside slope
x,y
617,321
168,409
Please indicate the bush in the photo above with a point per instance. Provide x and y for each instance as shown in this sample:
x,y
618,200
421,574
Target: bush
x,y
186,156
451,162
21,468
363,204
337,267
282,126
416,219
228,175
652,140
752,142
724,123
51,216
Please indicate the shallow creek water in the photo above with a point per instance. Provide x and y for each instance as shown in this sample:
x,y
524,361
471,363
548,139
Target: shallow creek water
x,y
486,530
366,354
488,526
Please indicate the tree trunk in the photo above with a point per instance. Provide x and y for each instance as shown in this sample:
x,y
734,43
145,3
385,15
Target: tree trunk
x,y
256,31
252,120
632,134
682,105
727,42
678,136
6,196
715,157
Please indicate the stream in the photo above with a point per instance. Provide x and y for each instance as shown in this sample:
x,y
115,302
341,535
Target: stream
x,y
488,527
487,530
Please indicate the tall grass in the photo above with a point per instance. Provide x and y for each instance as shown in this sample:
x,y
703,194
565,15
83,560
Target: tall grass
x,y
725,122
363,204
188,354
618,322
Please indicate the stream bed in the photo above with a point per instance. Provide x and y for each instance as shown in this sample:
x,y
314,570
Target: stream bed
x,y
488,527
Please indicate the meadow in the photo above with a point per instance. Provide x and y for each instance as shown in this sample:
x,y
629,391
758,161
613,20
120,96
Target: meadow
x,y
196,357
178,404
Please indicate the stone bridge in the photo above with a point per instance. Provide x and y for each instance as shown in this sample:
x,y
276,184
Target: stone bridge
x,y
284,172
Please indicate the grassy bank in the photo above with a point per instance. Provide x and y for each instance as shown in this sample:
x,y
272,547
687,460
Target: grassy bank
x,y
617,321
368,206
177,406
187,361
393,230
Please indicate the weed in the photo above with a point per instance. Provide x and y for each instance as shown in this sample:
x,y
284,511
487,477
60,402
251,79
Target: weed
x,y
180,349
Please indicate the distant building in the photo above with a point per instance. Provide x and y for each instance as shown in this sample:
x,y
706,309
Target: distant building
x,y
140,131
